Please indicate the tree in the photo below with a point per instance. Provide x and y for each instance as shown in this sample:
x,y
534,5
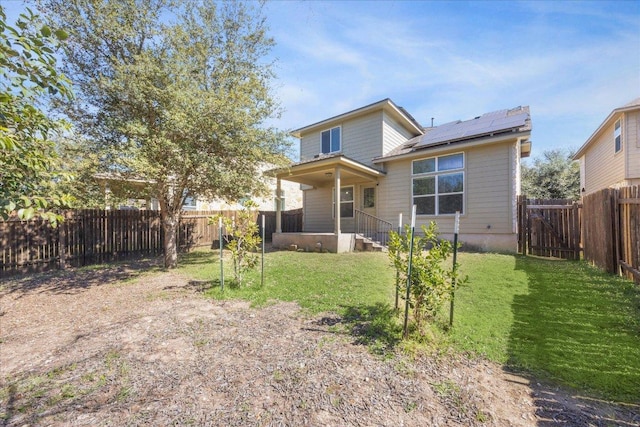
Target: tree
x,y
28,76
553,176
175,94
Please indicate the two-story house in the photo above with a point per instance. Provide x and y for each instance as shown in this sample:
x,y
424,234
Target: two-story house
x,y
377,161
611,156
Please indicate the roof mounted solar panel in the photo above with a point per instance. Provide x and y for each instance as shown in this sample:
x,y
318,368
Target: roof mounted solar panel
x,y
487,124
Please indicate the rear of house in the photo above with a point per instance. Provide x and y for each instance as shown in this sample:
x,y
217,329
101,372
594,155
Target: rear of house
x,y
377,161
611,156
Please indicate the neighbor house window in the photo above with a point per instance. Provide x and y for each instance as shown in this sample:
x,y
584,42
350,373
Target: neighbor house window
x,y
617,136
331,140
189,203
346,202
438,185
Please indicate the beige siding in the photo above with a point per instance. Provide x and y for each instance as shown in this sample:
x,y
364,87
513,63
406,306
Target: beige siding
x,y
488,191
393,134
317,211
603,168
632,143
310,146
361,139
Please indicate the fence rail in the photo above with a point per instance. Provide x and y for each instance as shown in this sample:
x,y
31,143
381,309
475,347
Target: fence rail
x,y
91,236
612,230
549,228
607,223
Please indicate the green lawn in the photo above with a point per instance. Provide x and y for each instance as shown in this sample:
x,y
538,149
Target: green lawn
x,y
561,321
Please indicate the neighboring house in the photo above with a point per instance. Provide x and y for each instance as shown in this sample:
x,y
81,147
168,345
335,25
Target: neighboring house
x,y
611,156
291,196
377,161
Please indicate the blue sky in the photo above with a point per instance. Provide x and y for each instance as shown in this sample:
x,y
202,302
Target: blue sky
x,y
571,62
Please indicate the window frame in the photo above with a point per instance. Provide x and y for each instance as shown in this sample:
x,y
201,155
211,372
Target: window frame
x,y
352,201
436,173
330,131
617,136
190,203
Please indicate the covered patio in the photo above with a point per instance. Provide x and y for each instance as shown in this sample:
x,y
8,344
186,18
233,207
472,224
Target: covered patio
x,y
333,171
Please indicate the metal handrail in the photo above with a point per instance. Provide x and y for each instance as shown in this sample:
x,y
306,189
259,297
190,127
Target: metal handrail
x,y
372,227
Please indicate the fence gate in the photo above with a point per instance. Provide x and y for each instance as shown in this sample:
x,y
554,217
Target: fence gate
x,y
549,228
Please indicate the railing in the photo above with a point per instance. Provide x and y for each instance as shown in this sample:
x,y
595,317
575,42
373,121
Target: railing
x,y
372,227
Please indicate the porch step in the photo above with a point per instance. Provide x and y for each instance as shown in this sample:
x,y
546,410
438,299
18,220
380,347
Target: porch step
x,y
364,244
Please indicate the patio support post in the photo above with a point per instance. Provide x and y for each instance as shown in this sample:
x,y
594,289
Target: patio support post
x,y
278,206
337,199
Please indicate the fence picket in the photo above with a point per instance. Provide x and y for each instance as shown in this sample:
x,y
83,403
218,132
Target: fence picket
x,y
91,236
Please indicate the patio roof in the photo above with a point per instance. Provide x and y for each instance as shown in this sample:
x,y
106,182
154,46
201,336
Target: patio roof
x,y
320,171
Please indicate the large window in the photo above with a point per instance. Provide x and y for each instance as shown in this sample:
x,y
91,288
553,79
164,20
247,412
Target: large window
x,y
346,202
617,136
438,185
331,140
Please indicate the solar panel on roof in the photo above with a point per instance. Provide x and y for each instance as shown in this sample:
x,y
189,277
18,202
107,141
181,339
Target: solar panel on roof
x,y
485,124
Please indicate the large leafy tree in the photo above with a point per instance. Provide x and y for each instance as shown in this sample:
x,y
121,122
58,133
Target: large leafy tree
x,y
174,94
28,78
554,175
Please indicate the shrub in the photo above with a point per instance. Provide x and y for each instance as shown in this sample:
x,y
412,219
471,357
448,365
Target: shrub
x,y
431,282
242,239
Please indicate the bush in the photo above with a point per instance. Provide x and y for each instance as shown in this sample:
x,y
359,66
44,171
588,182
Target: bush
x,y
242,240
431,282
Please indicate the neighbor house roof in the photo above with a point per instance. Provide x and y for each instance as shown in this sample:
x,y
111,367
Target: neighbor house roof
x,y
631,106
502,122
386,105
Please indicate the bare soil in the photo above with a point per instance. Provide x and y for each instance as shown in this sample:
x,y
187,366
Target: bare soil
x,y
121,346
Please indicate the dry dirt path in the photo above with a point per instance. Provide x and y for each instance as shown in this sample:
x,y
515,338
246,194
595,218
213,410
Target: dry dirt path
x,y
114,347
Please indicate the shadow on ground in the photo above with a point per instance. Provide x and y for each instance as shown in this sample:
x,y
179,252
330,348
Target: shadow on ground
x,y
375,326
75,280
578,327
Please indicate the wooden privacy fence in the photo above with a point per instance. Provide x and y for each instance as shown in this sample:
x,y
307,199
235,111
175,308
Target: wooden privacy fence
x,y
549,228
92,236
611,230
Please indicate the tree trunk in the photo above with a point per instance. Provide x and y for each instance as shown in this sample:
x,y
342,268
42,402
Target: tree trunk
x,y
170,221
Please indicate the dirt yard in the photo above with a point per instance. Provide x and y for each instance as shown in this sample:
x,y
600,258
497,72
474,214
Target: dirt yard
x,y
120,347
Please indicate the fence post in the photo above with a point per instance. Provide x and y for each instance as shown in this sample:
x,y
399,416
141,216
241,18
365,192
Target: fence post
x,y
62,243
615,195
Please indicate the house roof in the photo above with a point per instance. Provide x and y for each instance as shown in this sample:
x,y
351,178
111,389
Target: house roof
x,y
387,105
630,106
319,171
501,122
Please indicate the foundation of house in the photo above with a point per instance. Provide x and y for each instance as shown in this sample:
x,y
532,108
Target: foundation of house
x,y
315,242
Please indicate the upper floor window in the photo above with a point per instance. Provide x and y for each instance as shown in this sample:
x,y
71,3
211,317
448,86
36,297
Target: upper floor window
x,y
331,140
617,136
438,185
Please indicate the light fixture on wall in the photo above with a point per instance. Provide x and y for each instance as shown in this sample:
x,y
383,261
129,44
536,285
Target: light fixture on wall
x,y
328,174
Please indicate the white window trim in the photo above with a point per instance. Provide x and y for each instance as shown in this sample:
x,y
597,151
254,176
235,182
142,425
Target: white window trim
x,y
329,130
619,121
437,173
352,201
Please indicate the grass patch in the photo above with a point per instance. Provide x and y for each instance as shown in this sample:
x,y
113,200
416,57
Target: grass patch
x,y
561,321
318,282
